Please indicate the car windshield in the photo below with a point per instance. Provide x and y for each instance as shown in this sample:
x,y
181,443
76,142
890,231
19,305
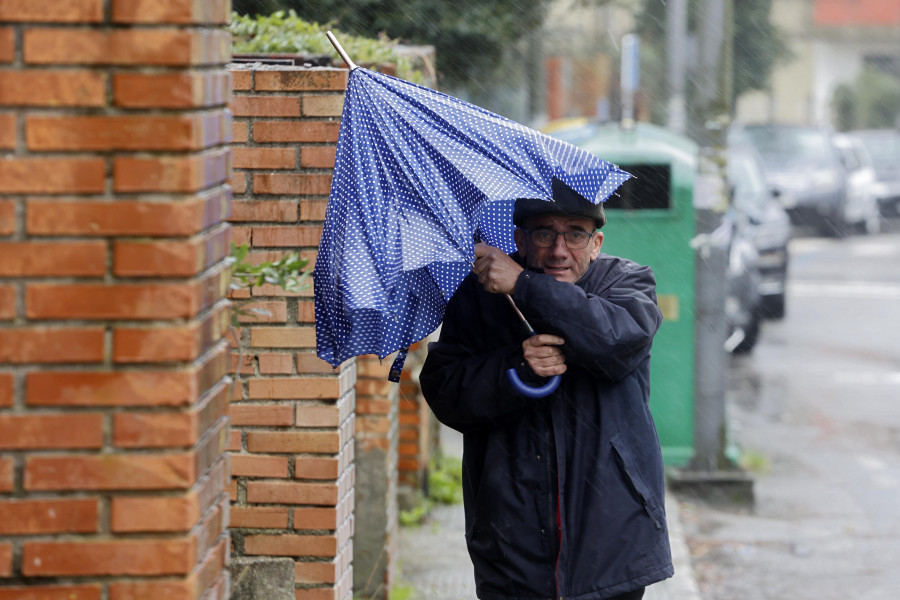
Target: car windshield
x,y
749,185
778,145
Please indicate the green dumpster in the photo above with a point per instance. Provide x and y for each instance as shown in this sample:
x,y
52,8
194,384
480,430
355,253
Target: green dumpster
x,y
651,221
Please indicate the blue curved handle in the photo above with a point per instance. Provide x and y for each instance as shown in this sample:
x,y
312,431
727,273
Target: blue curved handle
x,y
532,392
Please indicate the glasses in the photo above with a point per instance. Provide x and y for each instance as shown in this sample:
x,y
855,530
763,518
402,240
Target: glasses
x,y
545,238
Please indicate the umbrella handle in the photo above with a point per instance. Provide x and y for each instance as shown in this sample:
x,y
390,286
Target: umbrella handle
x,y
532,392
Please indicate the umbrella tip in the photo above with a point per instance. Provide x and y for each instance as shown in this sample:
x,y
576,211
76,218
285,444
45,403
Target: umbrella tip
x,y
340,50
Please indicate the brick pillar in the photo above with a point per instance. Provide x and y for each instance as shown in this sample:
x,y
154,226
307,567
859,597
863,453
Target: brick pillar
x,y
374,552
293,416
113,195
417,428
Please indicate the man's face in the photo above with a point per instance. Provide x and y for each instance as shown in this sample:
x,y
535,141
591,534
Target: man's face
x,y
560,261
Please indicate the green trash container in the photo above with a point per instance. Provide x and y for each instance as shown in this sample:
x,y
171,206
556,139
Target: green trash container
x,y
652,222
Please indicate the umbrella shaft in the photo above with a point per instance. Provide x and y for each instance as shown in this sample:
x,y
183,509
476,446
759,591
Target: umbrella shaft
x,y
519,312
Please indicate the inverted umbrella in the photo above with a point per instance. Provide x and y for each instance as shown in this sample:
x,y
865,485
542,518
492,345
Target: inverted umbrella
x,y
417,175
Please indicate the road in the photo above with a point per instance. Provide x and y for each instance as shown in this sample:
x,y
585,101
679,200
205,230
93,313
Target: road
x,y
816,411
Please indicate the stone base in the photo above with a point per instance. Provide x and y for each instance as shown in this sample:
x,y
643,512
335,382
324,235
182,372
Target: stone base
x,y
261,578
730,486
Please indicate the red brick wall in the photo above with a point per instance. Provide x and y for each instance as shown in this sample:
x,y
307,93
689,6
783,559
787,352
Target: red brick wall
x,y
114,164
293,416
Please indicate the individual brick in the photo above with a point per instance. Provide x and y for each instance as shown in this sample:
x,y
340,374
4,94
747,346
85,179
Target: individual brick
x,y
110,472
5,559
295,131
289,388
294,442
171,90
182,12
7,471
45,259
45,431
51,592
190,173
261,415
45,345
71,11
317,157
128,218
301,81
292,184
170,258
122,301
266,106
315,518
259,517
264,158
253,465
146,557
160,47
170,429
282,337
52,88
170,343
6,390
130,132
52,175
7,132
122,388
322,105
290,545
36,517
7,45
279,236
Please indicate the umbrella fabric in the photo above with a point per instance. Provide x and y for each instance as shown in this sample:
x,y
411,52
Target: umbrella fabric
x,y
417,173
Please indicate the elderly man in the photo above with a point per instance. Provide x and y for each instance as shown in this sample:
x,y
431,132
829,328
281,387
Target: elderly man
x,y
564,495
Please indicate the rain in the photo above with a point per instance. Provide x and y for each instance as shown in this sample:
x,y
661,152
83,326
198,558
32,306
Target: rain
x,y
779,424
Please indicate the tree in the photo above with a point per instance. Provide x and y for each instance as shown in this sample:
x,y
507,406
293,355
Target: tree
x,y
469,35
757,44
871,101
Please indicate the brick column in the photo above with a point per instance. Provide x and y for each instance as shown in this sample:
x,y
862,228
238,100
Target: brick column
x,y
293,416
113,195
377,422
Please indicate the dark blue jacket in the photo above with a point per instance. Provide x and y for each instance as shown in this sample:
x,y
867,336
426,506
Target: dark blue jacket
x,y
586,457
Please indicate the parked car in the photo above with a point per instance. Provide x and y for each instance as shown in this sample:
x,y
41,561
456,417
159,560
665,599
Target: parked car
x,y
802,166
762,220
860,209
742,299
883,146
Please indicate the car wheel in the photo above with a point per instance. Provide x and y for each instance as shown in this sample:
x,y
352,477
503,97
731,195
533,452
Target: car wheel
x,y
773,307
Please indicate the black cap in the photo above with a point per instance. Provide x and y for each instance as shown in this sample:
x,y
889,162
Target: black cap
x,y
566,202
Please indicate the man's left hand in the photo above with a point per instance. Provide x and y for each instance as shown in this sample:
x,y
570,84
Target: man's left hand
x,y
496,271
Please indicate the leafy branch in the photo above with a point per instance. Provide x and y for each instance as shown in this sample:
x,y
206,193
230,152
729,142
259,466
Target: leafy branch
x,y
285,32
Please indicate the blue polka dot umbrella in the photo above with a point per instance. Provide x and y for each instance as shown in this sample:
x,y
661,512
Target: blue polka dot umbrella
x,y
417,173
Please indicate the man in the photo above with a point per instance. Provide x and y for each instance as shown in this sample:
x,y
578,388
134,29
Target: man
x,y
563,494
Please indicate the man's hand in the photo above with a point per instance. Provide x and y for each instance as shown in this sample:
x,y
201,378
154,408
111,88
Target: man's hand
x,y
543,354
496,271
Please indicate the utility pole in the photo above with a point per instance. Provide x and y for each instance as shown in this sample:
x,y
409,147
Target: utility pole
x,y
676,62
709,472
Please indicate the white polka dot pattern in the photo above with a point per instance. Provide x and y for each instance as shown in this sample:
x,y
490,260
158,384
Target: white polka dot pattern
x,y
416,173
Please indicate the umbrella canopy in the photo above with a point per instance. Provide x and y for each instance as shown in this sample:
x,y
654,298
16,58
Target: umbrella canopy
x,y
417,173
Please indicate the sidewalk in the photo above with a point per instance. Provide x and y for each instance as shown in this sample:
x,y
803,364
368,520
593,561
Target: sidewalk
x,y
434,561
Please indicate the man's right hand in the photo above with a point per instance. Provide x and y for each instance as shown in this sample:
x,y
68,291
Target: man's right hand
x,y
543,354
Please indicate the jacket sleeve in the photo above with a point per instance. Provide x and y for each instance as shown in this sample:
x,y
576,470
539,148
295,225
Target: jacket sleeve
x,y
608,331
464,377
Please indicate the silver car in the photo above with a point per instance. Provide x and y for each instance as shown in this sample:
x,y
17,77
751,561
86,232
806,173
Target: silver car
x,y
860,208
803,167
883,146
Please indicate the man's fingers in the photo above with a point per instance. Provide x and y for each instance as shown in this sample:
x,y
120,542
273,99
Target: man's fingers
x,y
545,339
